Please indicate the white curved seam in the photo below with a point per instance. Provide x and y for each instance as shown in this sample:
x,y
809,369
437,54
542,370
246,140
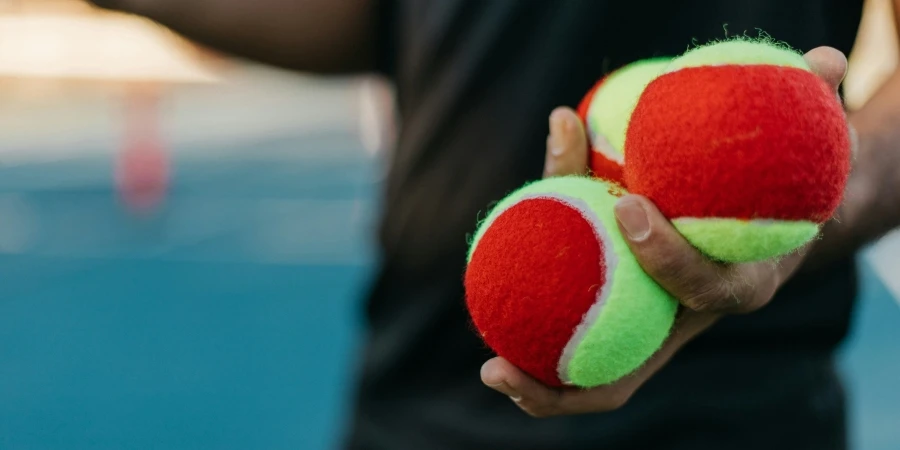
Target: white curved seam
x,y
610,259
763,222
678,68
600,143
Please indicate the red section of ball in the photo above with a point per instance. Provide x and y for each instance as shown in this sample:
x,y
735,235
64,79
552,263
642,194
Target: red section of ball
x,y
606,169
749,142
601,166
532,277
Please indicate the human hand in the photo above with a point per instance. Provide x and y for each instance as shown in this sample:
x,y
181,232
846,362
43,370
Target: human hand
x,y
707,290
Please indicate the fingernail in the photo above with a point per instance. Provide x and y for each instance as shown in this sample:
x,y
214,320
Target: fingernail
x,y
553,146
506,389
633,217
501,386
557,127
561,122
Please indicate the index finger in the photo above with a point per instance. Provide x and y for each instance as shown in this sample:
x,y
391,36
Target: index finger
x,y
567,149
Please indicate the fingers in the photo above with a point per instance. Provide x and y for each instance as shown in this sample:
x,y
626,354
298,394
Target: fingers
x,y
539,400
567,149
697,282
533,397
829,64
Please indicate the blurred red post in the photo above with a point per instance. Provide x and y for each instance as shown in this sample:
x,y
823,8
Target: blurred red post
x,y
142,169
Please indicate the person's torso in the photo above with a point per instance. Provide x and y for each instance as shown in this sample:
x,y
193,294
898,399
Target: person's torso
x,y
476,81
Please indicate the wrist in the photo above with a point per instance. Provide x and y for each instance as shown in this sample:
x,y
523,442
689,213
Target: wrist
x,y
869,208
873,189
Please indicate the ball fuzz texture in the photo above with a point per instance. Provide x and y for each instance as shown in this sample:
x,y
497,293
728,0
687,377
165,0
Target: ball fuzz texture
x,y
606,110
552,286
743,147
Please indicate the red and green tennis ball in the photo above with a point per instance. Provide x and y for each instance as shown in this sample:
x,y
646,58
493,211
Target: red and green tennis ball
x,y
606,110
552,286
742,147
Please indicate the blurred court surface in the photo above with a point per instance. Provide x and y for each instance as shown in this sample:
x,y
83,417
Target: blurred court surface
x,y
229,317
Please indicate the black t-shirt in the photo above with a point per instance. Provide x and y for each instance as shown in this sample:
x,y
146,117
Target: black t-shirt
x,y
476,81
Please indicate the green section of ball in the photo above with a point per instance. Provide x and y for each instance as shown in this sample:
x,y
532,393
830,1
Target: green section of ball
x,y
736,240
613,103
741,51
635,316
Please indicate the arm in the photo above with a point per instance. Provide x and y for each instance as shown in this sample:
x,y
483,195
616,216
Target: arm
x,y
328,36
870,202
707,290
873,192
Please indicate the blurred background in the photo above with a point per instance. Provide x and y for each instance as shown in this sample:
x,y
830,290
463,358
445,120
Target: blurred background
x,y
185,240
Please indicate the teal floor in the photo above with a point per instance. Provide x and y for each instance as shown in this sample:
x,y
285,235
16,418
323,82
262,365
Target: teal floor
x,y
231,320
871,364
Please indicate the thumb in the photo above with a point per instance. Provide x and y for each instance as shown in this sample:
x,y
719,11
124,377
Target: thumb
x,y
663,253
698,282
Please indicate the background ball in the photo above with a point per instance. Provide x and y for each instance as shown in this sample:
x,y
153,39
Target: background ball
x,y
606,110
743,147
552,286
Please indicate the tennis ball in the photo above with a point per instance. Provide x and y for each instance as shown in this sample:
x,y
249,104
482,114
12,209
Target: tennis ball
x,y
743,147
552,286
606,110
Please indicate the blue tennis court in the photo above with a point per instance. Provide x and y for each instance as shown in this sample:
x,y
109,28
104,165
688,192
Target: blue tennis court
x,y
230,321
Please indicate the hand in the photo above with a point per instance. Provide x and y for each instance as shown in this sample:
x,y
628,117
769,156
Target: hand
x,y
706,290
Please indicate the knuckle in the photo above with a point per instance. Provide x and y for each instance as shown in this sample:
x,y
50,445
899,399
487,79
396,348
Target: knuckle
x,y
762,294
710,296
550,406
684,275
668,264
536,411
619,400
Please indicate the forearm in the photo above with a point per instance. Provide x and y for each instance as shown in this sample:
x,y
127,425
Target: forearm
x,y
871,206
328,36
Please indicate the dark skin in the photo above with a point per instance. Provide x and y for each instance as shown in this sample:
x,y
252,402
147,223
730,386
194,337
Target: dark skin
x,y
337,36
322,36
